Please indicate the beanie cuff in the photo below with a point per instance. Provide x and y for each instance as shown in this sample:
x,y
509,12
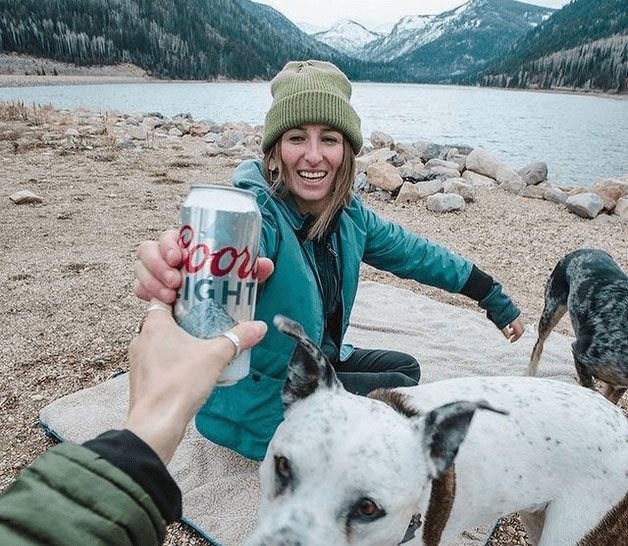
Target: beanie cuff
x,y
312,106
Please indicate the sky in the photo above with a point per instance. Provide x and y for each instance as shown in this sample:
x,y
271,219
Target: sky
x,y
370,13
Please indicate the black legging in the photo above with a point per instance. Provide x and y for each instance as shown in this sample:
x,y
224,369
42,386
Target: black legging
x,y
369,369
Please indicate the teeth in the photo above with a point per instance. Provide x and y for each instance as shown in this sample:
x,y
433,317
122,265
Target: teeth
x,y
312,175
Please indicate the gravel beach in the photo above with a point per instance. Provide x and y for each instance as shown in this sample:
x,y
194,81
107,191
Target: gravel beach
x,y
68,311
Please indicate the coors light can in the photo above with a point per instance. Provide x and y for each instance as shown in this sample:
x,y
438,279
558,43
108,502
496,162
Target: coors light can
x,y
220,229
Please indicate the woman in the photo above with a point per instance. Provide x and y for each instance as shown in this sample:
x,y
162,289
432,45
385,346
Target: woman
x,y
317,233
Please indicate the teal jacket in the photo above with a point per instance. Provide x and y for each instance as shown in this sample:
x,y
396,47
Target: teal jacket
x,y
244,416
71,495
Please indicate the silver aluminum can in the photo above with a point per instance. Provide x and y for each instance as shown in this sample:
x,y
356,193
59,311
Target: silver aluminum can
x,y
220,230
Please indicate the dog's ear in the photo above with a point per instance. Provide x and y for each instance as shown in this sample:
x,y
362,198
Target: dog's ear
x,y
443,429
308,369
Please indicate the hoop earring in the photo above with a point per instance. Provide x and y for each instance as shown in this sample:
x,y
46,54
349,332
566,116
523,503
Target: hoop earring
x,y
274,176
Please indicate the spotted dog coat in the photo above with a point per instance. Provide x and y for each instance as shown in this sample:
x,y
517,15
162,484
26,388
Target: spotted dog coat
x,y
419,465
592,287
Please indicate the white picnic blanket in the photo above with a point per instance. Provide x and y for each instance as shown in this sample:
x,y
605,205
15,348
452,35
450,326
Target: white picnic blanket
x,y
221,489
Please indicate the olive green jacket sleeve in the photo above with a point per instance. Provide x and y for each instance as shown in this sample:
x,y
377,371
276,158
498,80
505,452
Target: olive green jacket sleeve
x,y
72,496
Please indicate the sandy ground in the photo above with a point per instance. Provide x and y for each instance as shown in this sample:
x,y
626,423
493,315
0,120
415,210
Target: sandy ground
x,y
68,311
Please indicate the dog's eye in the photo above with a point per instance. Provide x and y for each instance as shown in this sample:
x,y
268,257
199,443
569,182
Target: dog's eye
x,y
366,509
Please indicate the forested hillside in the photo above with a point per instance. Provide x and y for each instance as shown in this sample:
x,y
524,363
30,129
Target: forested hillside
x,y
584,45
187,39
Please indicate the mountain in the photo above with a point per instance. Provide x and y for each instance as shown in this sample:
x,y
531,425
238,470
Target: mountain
x,y
584,45
347,37
187,39
438,47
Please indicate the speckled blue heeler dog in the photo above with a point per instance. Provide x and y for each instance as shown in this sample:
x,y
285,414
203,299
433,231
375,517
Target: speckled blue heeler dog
x,y
593,288
419,465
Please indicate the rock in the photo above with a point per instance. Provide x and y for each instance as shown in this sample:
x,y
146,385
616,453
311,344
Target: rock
x,y
361,183
199,130
384,176
25,197
430,187
408,193
621,208
175,132
482,162
407,152
555,195
126,144
428,150
534,192
586,205
479,179
436,162
610,195
230,138
534,173
620,184
73,133
509,180
461,187
445,202
363,162
414,170
460,160
445,172
381,140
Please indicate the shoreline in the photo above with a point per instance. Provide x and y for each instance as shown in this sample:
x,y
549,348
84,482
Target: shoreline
x,y
37,80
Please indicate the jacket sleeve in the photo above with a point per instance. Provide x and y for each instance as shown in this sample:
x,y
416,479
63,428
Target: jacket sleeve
x,y
72,495
393,248
406,254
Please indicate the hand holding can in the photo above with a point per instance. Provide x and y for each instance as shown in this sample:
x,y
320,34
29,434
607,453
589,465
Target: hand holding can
x,y
220,230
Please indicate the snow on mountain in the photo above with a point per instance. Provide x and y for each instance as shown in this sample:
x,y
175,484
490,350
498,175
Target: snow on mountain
x,y
347,36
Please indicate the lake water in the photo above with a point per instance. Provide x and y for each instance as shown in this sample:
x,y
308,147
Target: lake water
x,y
580,137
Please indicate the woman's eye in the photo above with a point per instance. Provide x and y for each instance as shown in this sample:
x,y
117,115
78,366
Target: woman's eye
x,y
331,140
295,139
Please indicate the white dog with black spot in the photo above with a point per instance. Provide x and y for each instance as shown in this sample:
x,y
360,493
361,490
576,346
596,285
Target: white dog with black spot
x,y
419,465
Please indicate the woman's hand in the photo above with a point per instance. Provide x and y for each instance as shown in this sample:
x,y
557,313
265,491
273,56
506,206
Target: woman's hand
x,y
513,331
172,374
158,274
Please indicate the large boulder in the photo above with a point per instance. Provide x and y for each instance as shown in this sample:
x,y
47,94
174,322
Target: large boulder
x,y
384,176
586,205
461,187
555,195
482,162
534,173
409,193
479,179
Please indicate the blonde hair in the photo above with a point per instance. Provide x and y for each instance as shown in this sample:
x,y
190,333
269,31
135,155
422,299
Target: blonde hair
x,y
341,192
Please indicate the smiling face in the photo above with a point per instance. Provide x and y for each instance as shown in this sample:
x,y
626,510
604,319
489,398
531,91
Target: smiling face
x,y
311,155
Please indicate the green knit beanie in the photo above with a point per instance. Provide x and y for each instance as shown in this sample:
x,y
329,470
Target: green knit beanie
x,y
311,92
